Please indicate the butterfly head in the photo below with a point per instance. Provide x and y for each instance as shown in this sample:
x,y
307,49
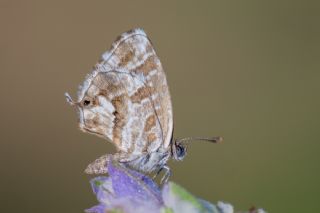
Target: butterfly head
x,y
178,150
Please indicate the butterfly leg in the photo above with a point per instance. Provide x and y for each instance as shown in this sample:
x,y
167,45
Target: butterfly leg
x,y
159,171
99,166
156,175
166,175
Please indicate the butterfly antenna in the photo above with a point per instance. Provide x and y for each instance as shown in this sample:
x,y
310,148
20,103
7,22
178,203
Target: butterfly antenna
x,y
217,139
69,99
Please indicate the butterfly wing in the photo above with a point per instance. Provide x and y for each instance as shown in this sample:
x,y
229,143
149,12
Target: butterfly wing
x,y
126,98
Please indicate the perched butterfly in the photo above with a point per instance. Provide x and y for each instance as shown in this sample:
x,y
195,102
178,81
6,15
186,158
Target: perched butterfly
x,y
127,101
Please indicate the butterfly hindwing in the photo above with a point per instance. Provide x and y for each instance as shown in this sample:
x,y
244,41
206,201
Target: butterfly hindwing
x,y
128,96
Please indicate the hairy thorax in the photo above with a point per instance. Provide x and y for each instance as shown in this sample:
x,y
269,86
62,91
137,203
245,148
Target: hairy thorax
x,y
149,162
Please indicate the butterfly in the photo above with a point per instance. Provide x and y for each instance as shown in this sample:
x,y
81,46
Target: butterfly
x,y
126,100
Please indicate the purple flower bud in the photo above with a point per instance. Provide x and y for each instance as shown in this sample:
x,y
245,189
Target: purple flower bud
x,y
133,185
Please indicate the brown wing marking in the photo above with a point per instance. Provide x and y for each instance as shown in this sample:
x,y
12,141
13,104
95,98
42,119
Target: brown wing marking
x,y
141,94
147,66
150,122
120,120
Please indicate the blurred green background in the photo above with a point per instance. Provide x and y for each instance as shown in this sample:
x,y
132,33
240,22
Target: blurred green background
x,y
244,70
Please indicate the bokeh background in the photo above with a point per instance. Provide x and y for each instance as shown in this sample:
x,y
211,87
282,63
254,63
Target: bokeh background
x,y
244,70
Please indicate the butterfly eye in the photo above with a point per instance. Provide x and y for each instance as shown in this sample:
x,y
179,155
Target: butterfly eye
x,y
180,151
86,102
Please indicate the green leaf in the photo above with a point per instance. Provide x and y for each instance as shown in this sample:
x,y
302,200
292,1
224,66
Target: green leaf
x,y
180,200
185,195
166,210
98,183
116,210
